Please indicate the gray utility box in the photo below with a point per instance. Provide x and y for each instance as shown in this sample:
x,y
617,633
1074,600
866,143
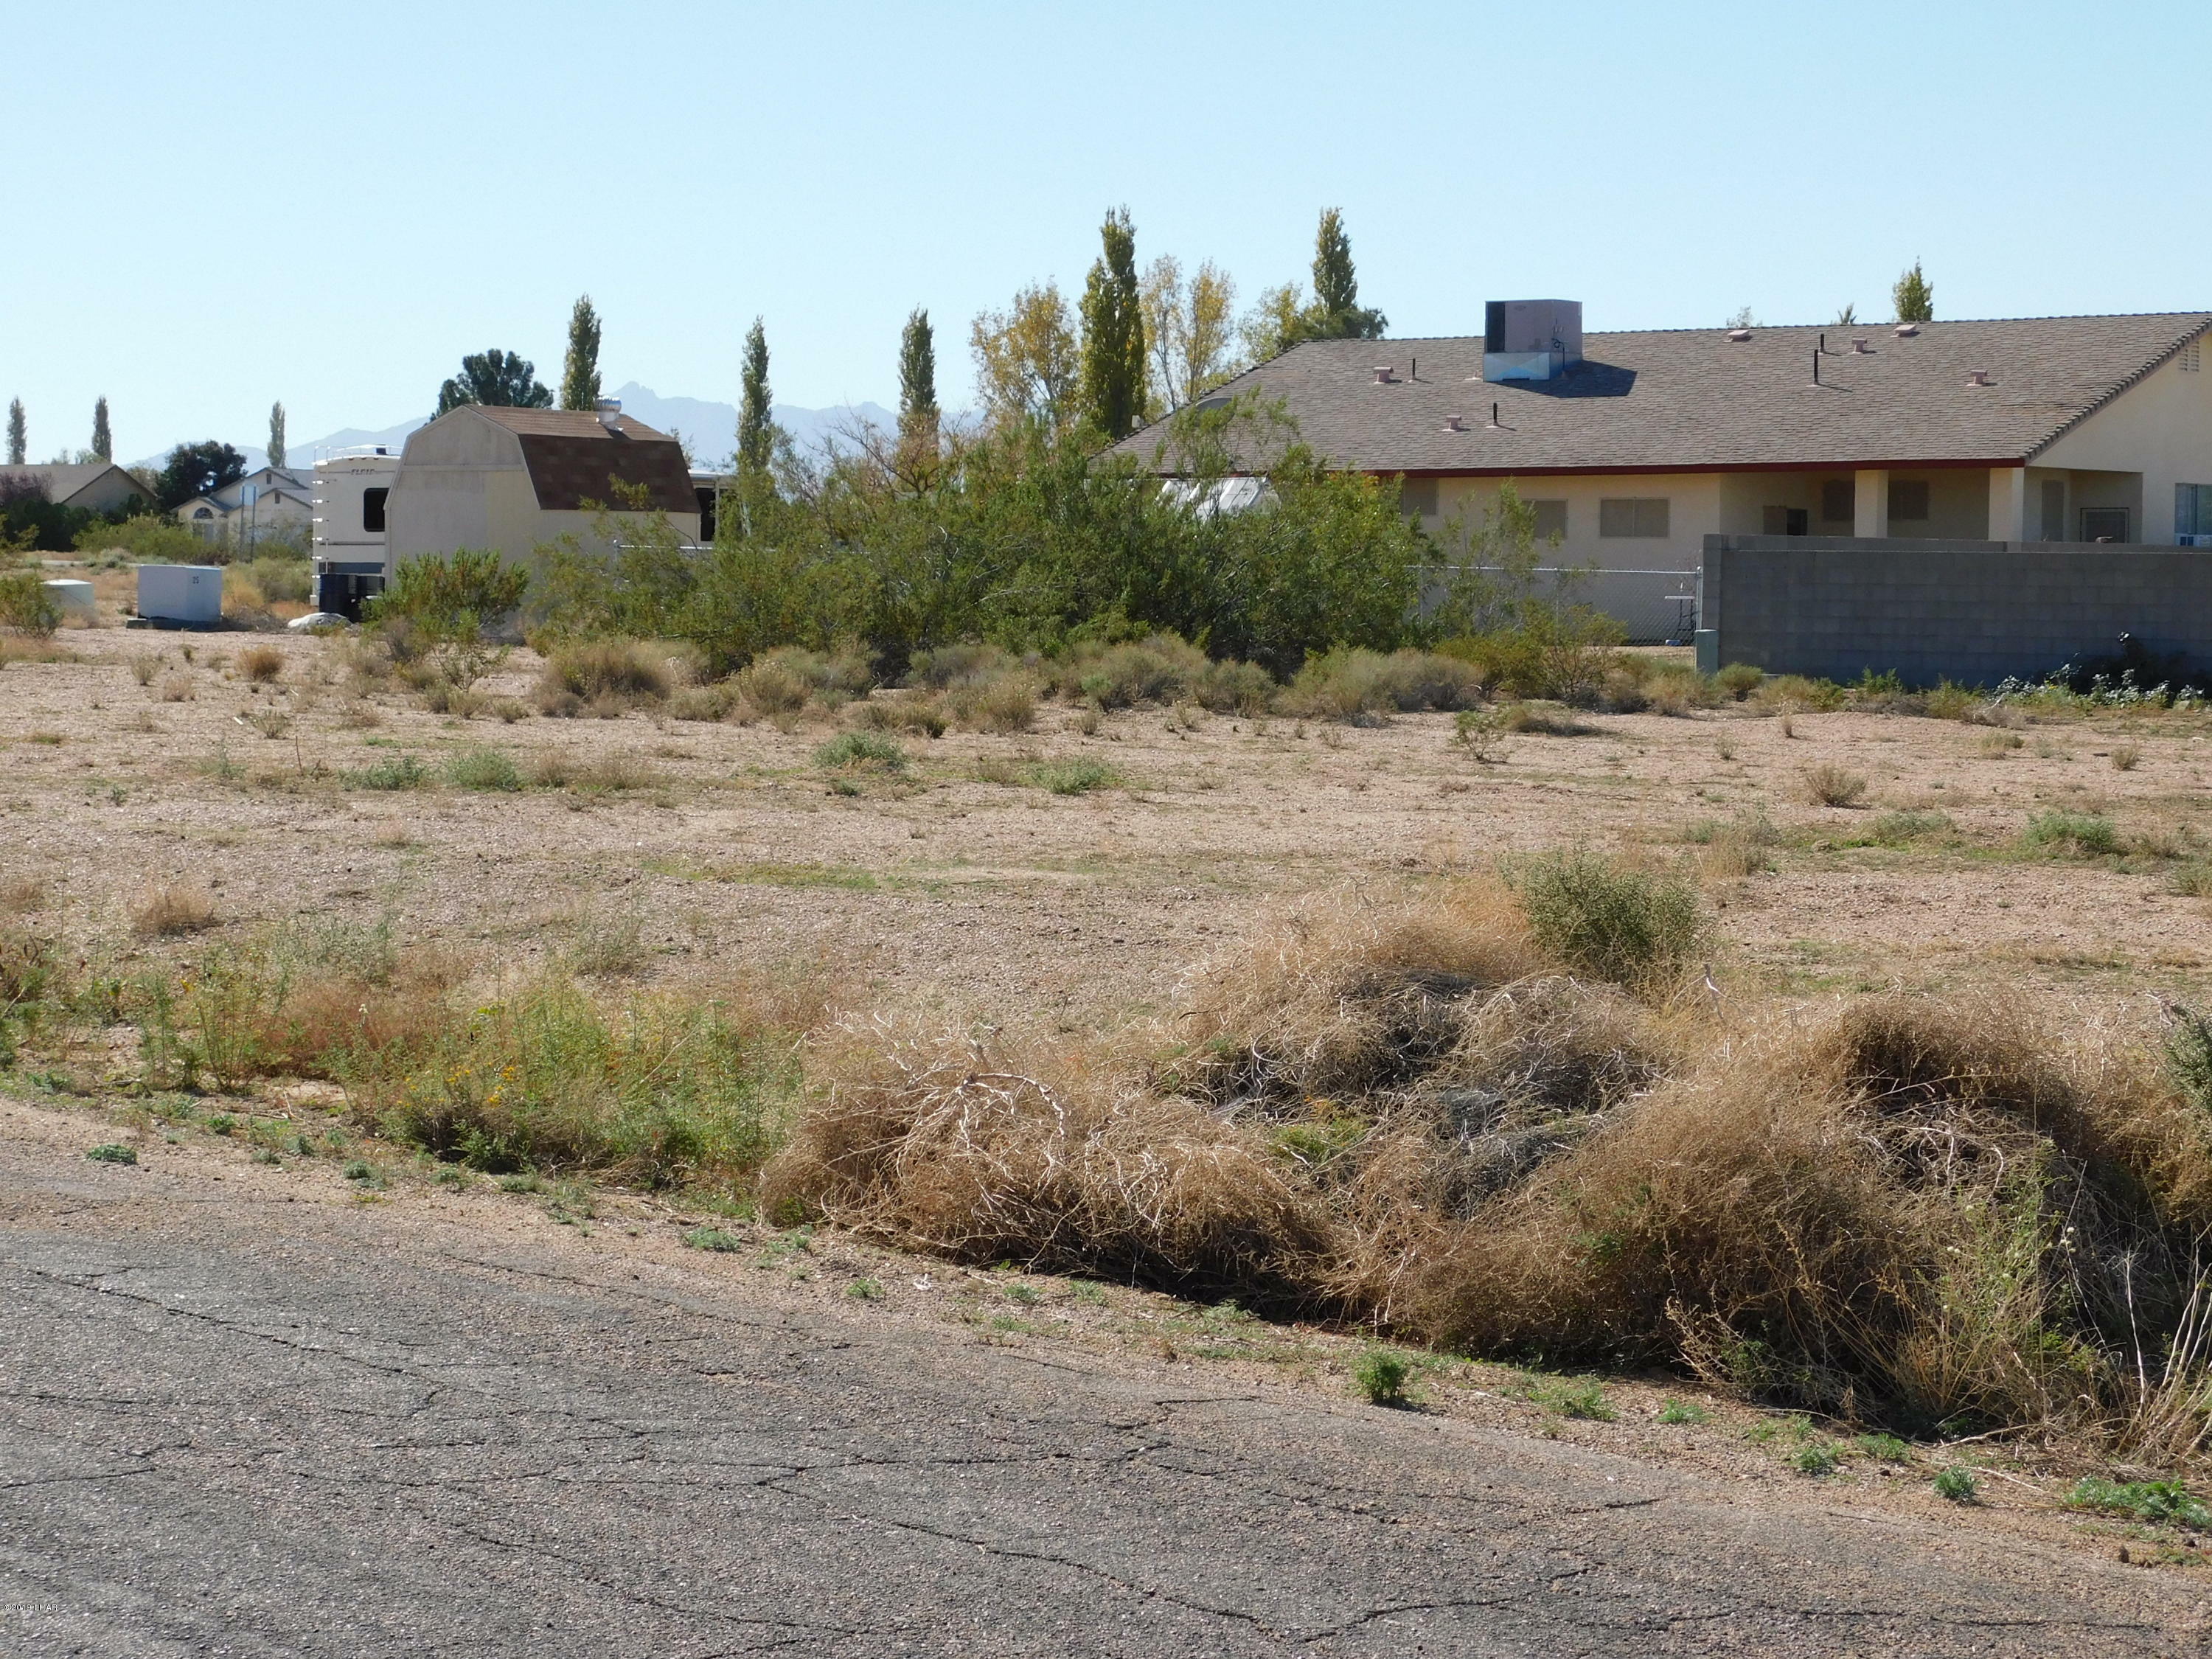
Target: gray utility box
x,y
190,593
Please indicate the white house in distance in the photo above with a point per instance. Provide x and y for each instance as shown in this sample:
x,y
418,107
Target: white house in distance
x,y
283,503
509,479
1634,446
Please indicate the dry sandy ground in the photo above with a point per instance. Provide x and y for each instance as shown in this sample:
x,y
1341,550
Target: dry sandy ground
x,y
1007,902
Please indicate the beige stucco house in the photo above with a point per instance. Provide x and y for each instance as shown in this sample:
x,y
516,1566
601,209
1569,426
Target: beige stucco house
x,y
1634,446
510,479
95,486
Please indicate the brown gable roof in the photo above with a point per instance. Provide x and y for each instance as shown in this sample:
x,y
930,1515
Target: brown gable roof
x,y
1694,398
64,481
573,459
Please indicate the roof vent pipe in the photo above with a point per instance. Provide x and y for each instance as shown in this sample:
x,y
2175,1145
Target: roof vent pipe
x,y
1455,423
1493,417
1739,335
1979,377
610,412
1906,330
1860,347
1384,375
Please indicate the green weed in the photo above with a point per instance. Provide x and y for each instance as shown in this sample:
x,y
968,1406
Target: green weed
x,y
1954,1484
2162,1503
1380,1376
114,1151
713,1238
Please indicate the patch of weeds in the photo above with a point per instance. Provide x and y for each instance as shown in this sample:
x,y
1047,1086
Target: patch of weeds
x,y
1904,829
264,1155
2059,834
394,772
1379,1376
1079,776
1683,1410
1607,921
1580,1398
1007,1322
367,1174
528,1181
483,768
302,1147
1816,1457
854,751
865,1289
2192,879
114,1151
221,1124
2162,1503
1832,785
1954,1484
1027,1295
799,1241
1083,1290
1769,1429
450,1175
2125,756
1887,1448
713,1238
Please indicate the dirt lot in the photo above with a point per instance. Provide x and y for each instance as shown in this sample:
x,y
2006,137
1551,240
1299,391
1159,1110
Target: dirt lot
x,y
719,844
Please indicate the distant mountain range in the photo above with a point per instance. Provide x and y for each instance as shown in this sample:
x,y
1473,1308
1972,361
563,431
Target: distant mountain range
x,y
710,429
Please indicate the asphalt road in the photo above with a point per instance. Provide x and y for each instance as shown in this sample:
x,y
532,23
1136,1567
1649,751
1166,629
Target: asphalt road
x,y
233,1425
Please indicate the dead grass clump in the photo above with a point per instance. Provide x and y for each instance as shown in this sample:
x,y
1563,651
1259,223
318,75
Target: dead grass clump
x,y
1344,995
624,672
1353,684
21,895
1550,719
1828,785
702,702
172,908
260,664
902,711
1005,704
992,1157
177,688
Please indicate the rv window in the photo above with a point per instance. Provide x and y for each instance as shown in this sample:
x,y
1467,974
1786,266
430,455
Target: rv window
x,y
1551,520
1908,499
1632,516
371,508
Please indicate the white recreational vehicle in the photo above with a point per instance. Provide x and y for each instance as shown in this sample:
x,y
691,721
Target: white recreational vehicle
x,y
353,553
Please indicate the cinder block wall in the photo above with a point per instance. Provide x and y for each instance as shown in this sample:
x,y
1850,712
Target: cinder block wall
x,y
1975,612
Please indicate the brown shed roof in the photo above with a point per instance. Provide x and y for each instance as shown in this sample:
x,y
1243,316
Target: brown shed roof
x,y
1694,398
572,459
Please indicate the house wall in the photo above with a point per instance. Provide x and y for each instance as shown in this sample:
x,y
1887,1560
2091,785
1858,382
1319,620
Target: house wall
x,y
1693,512
110,492
2157,434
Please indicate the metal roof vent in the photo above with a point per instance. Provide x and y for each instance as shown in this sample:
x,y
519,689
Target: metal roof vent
x,y
1979,377
1385,375
610,412
1906,330
1454,423
1739,335
1860,347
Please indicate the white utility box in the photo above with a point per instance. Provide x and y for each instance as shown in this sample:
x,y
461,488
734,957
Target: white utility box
x,y
75,598
181,593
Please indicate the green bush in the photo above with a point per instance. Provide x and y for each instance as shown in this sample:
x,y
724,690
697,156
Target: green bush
x,y
278,580
853,751
483,768
1380,1376
1353,684
1954,1484
392,772
150,539
114,1151
1633,929
1740,679
451,597
1079,776
2061,834
2162,1503
27,605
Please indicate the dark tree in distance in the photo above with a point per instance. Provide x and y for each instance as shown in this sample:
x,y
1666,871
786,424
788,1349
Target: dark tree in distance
x,y
1914,297
756,425
276,436
194,470
19,441
917,372
1113,377
498,379
580,376
103,439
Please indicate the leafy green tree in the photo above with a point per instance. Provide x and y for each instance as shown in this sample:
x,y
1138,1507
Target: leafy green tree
x,y
277,435
19,442
1271,327
1336,313
498,379
579,377
917,371
193,470
1914,297
103,440
1026,358
755,421
1113,333
1188,328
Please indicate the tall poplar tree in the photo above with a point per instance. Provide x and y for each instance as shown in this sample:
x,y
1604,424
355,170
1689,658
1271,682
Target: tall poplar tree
x,y
917,372
1336,313
1914,297
1113,384
19,441
103,439
756,425
276,436
579,378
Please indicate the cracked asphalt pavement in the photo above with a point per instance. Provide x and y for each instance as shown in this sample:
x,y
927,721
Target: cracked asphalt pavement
x,y
237,1423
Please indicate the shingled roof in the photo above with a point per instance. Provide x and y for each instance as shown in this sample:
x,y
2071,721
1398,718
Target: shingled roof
x,y
572,457
1683,399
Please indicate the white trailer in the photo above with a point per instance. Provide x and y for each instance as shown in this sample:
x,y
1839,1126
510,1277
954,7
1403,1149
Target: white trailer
x,y
353,548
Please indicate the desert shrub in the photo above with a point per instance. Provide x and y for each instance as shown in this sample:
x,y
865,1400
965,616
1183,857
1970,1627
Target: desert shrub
x,y
172,908
2059,834
1672,688
27,606
1742,847
1829,785
1903,829
2126,757
968,663
915,713
1795,691
1006,704
1235,688
1160,669
1740,679
1952,702
391,772
832,678
1379,1376
483,768
150,539
1550,719
1612,922
278,580
1076,776
856,751
1955,1484
1352,685
260,664
771,686
628,672
451,597
701,703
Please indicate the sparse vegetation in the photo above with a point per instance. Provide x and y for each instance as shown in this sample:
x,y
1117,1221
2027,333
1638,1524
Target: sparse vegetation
x,y
1955,1484
1379,1376
1608,921
114,1151
2058,833
1832,786
172,908
2160,1503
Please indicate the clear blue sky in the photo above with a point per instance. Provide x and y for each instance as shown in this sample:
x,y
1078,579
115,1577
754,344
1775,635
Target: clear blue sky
x,y
213,207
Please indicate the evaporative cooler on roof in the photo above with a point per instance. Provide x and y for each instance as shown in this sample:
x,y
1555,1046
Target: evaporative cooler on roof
x,y
1530,339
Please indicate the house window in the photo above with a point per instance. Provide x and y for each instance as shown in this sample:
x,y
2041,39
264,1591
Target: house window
x,y
1551,520
371,508
2193,509
2104,523
1908,500
1785,521
1838,502
1626,515
1418,496
2054,509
